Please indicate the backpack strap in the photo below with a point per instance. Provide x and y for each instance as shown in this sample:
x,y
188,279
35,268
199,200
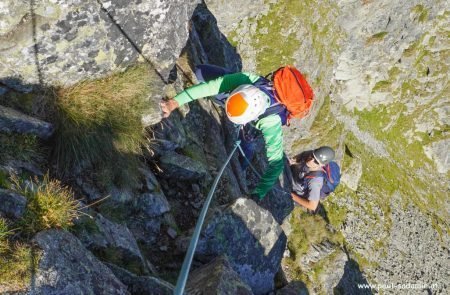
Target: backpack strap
x,y
314,174
329,178
266,86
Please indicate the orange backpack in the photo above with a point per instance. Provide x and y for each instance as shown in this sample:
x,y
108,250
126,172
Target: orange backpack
x,y
293,91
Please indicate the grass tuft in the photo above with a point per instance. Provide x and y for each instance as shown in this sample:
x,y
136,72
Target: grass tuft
x,y
99,125
50,205
17,264
4,233
20,147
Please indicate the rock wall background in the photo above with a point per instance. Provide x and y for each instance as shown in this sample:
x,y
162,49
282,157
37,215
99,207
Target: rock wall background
x,y
388,103
380,74
61,43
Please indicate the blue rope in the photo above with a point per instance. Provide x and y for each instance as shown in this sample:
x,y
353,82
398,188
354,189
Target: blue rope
x,y
182,279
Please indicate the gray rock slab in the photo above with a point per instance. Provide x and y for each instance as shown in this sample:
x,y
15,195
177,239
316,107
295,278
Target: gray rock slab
x,y
439,153
252,240
181,167
15,121
114,243
141,284
66,267
352,174
152,204
216,277
12,205
80,39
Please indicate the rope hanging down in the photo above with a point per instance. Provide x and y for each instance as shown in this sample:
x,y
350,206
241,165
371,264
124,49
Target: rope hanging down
x,y
182,279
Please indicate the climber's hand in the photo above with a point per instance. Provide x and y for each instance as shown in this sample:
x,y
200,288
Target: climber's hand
x,y
167,106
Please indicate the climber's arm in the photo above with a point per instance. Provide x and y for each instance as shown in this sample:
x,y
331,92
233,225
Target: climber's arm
x,y
311,205
219,85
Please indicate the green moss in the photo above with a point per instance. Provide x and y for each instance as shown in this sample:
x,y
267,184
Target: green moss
x,y
421,13
393,73
194,152
85,224
20,101
362,261
114,211
232,38
20,147
271,57
115,256
4,180
17,265
276,43
381,86
376,37
308,230
410,50
382,176
17,260
337,214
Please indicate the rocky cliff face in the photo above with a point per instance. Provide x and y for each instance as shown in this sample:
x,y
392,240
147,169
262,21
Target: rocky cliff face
x,y
54,42
380,74
388,67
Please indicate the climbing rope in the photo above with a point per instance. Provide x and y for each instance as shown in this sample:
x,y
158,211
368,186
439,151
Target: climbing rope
x,y
182,279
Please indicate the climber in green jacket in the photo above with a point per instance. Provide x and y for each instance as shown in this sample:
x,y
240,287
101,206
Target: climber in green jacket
x,y
249,101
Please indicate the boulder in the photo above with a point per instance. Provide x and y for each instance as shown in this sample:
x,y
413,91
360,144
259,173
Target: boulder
x,y
316,253
252,240
438,152
141,285
66,267
113,242
144,228
12,205
333,272
352,174
216,277
152,204
150,181
181,167
15,121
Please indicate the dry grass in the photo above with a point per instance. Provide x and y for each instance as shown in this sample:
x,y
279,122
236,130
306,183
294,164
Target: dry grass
x,y
4,233
99,125
50,205
17,261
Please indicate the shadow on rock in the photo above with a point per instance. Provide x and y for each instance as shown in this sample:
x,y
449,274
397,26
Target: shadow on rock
x,y
294,288
352,278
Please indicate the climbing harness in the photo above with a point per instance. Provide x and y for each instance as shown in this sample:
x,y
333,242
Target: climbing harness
x,y
181,282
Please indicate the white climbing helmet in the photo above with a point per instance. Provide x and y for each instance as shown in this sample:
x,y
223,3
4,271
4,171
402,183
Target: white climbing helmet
x,y
246,103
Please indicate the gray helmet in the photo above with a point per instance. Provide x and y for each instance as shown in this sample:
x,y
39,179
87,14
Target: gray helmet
x,y
324,154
